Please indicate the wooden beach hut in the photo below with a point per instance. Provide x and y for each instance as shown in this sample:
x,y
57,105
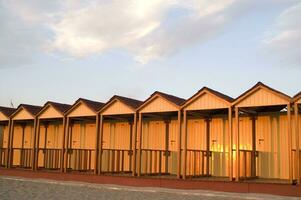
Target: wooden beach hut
x,y
297,139
4,134
207,135
159,129
118,121
82,125
22,133
262,135
50,136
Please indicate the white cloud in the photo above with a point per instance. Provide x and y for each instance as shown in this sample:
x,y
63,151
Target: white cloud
x,y
284,39
148,30
138,26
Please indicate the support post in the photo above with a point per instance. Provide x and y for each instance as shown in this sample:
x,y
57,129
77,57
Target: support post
x,y
100,144
37,143
289,131
230,143
166,144
296,109
185,144
207,146
63,144
179,145
253,155
96,144
33,155
237,144
134,143
8,143
66,144
140,141
11,144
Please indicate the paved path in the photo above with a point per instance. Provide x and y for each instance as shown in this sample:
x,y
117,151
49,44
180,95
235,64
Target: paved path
x,y
21,188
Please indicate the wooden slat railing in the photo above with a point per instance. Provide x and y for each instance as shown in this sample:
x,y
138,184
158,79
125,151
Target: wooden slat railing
x,y
25,157
3,157
51,158
199,161
249,161
117,160
154,161
80,159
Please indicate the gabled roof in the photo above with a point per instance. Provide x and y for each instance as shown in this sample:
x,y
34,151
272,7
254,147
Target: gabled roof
x,y
132,103
214,92
32,109
62,108
297,97
93,105
173,99
257,86
7,111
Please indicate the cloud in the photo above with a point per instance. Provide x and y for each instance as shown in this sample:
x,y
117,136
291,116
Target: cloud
x,y
148,30
284,39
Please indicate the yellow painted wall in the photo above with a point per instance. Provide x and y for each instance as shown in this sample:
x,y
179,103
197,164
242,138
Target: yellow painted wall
x,y
81,110
116,135
262,97
54,140
50,112
117,107
219,145
158,104
154,137
3,117
23,115
271,143
4,134
17,140
207,101
83,137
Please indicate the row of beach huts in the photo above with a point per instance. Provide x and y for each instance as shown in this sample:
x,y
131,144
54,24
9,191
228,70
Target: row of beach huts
x,y
210,135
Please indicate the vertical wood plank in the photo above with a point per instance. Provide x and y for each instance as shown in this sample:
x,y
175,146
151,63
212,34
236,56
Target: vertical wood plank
x,y
237,144
296,109
96,144
33,153
140,145
63,144
100,144
230,132
134,143
185,143
66,144
289,131
179,145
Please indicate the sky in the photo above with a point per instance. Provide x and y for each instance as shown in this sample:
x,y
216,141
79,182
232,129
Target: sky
x,y
63,50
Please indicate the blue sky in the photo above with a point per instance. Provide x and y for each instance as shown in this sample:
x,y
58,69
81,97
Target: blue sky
x,y
61,51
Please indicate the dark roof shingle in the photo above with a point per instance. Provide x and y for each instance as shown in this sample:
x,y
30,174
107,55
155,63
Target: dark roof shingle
x,y
94,105
59,106
31,108
7,111
176,100
134,103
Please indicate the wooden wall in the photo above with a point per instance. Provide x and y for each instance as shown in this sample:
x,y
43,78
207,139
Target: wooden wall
x,y
19,141
54,140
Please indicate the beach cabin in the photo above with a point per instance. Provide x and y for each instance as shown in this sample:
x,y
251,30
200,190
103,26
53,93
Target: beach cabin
x,y
4,134
81,146
118,121
50,136
207,135
23,125
159,128
297,139
262,135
